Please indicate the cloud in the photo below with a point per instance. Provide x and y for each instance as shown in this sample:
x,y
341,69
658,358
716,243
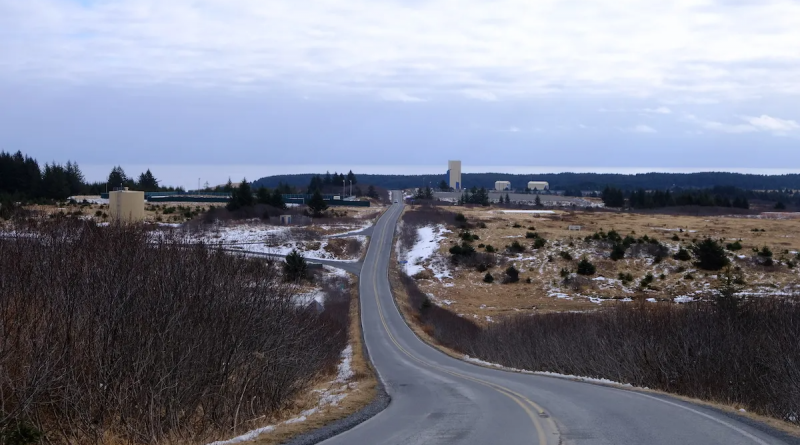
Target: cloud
x,y
659,110
763,123
480,95
642,129
772,124
399,96
503,49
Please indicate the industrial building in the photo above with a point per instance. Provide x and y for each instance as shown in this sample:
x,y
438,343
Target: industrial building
x,y
502,186
126,205
454,175
538,186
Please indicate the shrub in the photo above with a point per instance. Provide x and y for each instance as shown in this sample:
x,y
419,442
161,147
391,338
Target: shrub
x,y
676,238
564,272
512,275
734,246
528,280
531,228
465,249
481,225
625,277
710,255
565,255
481,245
515,247
516,226
765,252
530,235
539,243
689,276
482,267
490,248
586,268
488,278
617,252
683,255
460,218
647,280
295,267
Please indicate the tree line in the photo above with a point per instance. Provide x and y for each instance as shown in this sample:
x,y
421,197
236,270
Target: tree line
x,y
644,199
23,179
573,181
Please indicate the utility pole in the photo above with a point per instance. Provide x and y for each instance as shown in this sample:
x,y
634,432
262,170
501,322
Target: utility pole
x,y
344,181
351,188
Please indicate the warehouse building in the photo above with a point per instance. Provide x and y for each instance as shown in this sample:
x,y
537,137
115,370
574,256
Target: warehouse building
x,y
502,186
538,186
454,175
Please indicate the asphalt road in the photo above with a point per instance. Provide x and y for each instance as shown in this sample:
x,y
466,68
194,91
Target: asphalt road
x,y
437,399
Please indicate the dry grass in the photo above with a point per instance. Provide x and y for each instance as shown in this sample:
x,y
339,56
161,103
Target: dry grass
x,y
467,294
360,393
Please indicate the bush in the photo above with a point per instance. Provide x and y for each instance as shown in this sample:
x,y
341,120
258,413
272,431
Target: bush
x,y
482,267
565,255
488,278
539,243
676,238
531,235
618,252
481,225
710,255
515,247
528,280
464,249
683,255
490,248
765,252
512,275
481,245
625,277
516,226
734,246
564,272
295,267
460,218
647,280
586,268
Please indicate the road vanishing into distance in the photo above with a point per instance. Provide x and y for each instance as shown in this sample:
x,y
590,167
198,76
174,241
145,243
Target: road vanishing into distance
x,y
437,399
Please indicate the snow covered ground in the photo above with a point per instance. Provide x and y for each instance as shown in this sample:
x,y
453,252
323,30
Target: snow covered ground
x,y
428,240
276,240
546,373
332,396
532,212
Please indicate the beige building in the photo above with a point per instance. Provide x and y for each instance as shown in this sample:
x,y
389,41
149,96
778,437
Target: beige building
x,y
502,185
126,205
454,175
539,186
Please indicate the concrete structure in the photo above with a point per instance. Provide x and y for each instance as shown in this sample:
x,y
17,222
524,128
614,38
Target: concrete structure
x,y
501,186
574,227
126,205
454,175
286,219
538,185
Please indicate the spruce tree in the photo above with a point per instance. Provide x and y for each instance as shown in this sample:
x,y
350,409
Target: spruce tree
x,y
317,204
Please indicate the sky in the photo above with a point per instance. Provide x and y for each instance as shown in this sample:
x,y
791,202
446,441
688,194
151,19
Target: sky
x,y
218,88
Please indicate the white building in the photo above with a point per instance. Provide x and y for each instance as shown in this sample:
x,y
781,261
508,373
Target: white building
x,y
454,175
501,186
538,186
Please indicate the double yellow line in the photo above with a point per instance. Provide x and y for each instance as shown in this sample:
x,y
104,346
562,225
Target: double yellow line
x,y
525,403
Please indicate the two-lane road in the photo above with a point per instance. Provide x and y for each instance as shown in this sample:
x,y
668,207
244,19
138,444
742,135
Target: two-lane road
x,y
437,399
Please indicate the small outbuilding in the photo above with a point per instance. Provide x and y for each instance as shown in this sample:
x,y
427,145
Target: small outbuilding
x,y
501,186
126,205
286,220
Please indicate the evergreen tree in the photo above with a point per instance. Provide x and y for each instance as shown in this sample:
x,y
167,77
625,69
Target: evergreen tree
x,y
295,267
357,191
444,186
613,197
585,267
508,199
117,178
317,204
228,187
147,182
263,196
74,178
371,192
54,182
328,180
710,255
351,178
537,202
241,197
276,200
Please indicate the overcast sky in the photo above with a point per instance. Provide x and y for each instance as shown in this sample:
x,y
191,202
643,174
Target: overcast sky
x,y
600,83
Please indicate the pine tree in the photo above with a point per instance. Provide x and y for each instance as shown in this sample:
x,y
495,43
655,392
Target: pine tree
x,y
537,202
371,192
241,197
74,178
263,196
276,200
508,199
117,178
317,204
444,186
147,182
328,180
351,178
295,267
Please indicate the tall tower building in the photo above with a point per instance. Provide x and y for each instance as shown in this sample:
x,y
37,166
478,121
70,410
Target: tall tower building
x,y
454,174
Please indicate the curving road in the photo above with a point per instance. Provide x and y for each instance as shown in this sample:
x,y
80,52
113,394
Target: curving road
x,y
437,399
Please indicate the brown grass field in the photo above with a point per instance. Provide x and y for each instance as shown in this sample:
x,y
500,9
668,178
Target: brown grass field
x,y
466,293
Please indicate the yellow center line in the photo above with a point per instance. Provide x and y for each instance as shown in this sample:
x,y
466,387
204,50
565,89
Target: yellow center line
x,y
520,399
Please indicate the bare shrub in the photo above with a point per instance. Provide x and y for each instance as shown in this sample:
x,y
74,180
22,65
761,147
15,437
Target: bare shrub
x,y
113,333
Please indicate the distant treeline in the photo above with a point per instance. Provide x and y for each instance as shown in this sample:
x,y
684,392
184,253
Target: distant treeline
x,y
718,196
23,179
571,181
